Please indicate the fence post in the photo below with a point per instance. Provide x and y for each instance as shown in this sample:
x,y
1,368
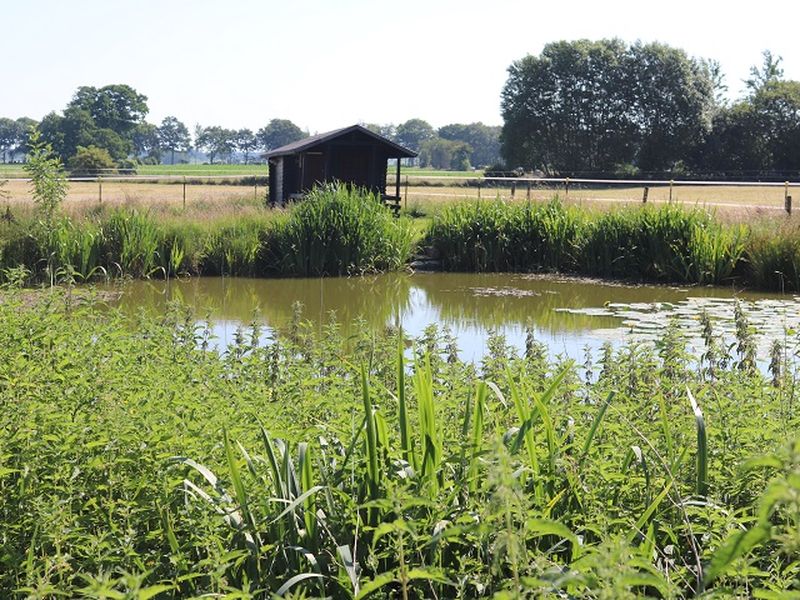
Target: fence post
x,y
787,204
644,195
513,188
100,189
566,188
479,188
785,191
529,190
670,191
184,192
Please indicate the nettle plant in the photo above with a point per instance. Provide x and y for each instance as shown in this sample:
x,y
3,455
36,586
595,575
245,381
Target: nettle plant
x,y
48,179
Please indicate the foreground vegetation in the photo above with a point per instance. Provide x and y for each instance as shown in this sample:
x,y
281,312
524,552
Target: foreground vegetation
x,y
136,462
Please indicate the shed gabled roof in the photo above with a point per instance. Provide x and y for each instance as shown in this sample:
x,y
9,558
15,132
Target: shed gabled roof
x,y
396,150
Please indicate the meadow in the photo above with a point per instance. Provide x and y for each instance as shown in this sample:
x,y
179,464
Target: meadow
x,y
427,192
135,462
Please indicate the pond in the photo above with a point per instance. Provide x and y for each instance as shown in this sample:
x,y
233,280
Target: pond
x,y
568,315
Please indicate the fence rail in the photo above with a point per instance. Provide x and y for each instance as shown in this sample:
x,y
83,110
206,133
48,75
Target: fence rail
x,y
420,187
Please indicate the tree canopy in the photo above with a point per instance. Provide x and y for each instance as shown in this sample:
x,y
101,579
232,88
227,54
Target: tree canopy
x,y
116,107
413,133
109,118
483,141
279,132
585,106
173,136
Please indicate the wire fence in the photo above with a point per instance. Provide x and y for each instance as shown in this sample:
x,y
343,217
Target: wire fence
x,y
421,188
734,194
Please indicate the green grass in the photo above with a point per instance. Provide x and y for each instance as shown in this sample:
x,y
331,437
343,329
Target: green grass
x,y
421,172
136,463
196,170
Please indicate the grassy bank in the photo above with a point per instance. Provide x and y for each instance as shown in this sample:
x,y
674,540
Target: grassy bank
x,y
333,232
340,232
135,463
668,243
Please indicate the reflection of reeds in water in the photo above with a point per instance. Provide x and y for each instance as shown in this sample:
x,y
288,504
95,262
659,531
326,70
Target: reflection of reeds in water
x,y
456,299
374,299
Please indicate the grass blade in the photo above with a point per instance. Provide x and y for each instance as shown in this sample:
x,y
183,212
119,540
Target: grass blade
x,y
701,486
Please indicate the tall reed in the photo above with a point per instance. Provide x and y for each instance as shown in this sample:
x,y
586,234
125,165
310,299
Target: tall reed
x,y
338,230
667,243
334,231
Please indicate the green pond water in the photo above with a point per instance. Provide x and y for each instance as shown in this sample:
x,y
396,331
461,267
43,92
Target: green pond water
x,y
568,315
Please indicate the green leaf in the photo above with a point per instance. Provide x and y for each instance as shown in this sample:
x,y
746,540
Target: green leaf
x,y
734,547
152,591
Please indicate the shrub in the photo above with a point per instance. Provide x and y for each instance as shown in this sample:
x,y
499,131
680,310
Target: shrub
x,y
337,230
91,161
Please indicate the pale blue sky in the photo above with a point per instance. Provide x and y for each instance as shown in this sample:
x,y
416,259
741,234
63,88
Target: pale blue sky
x,y
326,64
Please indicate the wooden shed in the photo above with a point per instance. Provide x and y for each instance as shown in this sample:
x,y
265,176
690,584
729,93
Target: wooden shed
x,y
353,155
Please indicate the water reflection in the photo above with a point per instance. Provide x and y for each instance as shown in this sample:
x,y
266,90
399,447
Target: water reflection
x,y
469,304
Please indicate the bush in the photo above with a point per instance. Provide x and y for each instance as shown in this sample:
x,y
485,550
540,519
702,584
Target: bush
x,y
336,230
91,161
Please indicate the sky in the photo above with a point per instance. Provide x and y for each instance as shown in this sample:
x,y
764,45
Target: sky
x,y
329,64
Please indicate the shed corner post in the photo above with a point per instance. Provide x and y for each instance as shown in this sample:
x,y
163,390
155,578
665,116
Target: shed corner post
x,y
397,180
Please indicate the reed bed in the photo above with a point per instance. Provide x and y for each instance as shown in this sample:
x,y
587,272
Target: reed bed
x,y
335,231
668,243
137,463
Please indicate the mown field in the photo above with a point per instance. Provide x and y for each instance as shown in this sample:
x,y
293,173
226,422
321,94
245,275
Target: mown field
x,y
137,463
425,193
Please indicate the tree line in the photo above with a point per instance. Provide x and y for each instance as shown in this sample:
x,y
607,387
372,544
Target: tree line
x,y
457,146
608,108
106,128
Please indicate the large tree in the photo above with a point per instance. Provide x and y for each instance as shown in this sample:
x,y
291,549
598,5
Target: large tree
x,y
736,144
279,132
216,141
413,133
25,127
118,107
769,71
778,105
483,139
759,134
174,136
388,131
8,136
146,142
567,109
440,153
672,103
588,106
246,142
107,117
